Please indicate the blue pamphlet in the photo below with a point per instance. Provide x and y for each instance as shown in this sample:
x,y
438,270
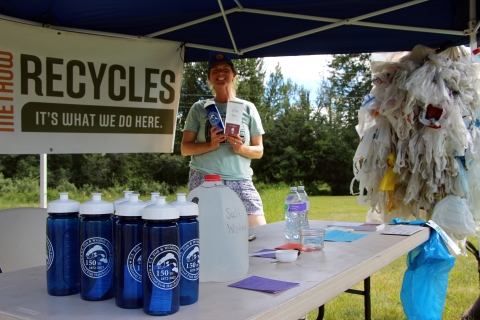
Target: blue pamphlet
x,y
342,236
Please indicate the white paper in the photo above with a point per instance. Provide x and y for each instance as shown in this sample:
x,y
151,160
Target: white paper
x,y
233,119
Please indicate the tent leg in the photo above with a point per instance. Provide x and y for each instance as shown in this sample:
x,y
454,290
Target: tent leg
x,y
43,180
472,25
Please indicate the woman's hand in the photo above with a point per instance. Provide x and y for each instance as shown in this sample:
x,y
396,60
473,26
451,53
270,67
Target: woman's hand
x,y
216,138
236,142
191,148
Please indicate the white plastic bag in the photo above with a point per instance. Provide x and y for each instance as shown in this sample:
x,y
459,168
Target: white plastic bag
x,y
453,215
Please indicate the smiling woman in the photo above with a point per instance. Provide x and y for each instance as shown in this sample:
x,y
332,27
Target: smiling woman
x,y
228,155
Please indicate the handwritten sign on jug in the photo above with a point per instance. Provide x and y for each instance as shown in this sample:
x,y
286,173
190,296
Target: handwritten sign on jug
x,y
235,220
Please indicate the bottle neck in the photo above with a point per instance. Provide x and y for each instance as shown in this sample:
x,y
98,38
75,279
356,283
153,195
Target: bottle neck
x,y
188,218
96,216
161,221
63,214
129,218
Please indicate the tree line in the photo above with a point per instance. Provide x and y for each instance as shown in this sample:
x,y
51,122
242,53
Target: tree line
x,y
307,142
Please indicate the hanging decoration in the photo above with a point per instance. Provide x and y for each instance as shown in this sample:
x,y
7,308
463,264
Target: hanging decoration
x,y
420,137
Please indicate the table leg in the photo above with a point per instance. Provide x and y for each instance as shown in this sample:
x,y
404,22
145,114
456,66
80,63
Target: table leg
x,y
366,294
321,312
368,301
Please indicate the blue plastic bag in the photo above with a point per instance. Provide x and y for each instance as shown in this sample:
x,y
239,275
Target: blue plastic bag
x,y
425,281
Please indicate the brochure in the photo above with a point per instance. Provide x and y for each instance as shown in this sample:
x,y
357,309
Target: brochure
x,y
233,119
359,226
403,230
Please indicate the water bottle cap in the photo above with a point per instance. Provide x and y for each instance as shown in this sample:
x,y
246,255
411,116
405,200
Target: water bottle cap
x,y
153,198
185,208
301,188
131,208
293,188
161,210
96,206
63,205
208,103
212,178
120,200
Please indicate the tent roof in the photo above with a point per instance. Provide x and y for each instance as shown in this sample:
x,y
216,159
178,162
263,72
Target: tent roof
x,y
262,28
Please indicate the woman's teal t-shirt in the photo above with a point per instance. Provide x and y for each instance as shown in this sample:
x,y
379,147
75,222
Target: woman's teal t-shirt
x,y
223,161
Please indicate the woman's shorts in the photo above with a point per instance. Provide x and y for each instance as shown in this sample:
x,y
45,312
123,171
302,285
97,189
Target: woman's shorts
x,y
243,188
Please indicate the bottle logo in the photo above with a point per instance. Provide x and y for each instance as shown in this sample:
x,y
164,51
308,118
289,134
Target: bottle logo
x,y
214,118
134,262
190,257
162,267
50,253
96,257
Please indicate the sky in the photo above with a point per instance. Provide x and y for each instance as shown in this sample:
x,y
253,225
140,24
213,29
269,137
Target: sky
x,y
302,70
306,70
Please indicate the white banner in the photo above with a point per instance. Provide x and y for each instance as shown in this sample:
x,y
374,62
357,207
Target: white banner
x,y
66,92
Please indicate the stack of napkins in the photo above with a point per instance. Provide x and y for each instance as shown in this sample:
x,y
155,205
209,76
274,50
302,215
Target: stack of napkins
x,y
263,284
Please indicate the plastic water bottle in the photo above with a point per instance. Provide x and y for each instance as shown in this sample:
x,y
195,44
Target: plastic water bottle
x,y
114,216
120,200
294,208
128,253
96,249
213,114
161,259
223,227
153,198
189,249
63,257
304,217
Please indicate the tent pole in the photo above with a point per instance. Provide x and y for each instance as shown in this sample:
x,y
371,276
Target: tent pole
x,y
43,180
473,46
473,27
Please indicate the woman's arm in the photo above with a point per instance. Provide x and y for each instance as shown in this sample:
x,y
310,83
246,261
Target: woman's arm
x,y
189,147
253,151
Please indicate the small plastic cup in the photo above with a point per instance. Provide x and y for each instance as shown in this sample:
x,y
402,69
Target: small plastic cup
x,y
312,239
286,255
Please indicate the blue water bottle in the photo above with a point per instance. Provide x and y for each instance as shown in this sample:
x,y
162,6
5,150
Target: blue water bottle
x,y
96,249
161,259
128,253
63,258
189,249
213,115
114,216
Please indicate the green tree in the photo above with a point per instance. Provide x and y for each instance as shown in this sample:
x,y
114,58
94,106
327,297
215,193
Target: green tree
x,y
351,80
338,101
19,166
276,97
250,75
289,137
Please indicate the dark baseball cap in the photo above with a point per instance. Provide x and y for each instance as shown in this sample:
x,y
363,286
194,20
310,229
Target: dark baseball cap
x,y
217,58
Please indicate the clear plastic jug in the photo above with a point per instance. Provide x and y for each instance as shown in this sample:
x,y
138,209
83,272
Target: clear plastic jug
x,y
223,228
